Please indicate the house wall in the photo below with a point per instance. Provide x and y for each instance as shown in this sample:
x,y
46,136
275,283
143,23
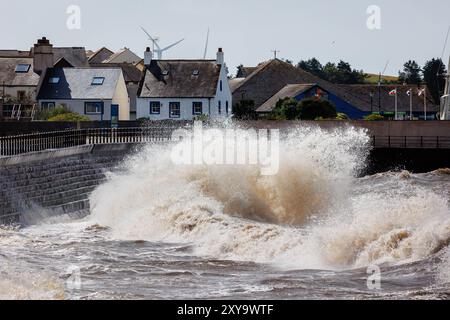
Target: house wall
x,y
121,98
77,106
13,90
223,96
143,108
341,105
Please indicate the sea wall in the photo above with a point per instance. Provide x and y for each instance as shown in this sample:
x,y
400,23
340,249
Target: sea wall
x,y
54,182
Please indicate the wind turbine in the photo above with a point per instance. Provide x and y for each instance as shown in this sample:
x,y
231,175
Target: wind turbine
x,y
156,48
206,45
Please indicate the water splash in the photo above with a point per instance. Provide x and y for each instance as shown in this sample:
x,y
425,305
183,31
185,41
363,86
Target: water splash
x,y
310,215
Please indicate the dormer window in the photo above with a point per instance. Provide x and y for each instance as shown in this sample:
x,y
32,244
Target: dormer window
x,y
98,81
195,73
23,68
53,80
165,73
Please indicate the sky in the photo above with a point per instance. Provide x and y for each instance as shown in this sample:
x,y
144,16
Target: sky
x,y
248,30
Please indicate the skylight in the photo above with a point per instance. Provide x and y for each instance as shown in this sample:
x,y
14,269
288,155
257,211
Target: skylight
x,y
165,72
53,80
98,81
22,68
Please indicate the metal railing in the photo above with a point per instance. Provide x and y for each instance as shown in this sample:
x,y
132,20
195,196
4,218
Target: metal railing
x,y
405,142
20,144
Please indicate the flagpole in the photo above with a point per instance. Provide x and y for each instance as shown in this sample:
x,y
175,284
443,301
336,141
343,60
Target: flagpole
x,y
411,105
396,104
425,102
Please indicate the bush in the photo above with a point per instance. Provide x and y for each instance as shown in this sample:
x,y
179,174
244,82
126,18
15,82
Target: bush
x,y
374,117
312,109
342,116
61,113
245,110
69,117
202,118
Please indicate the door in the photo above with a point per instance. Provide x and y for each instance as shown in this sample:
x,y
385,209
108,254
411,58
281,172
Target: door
x,y
114,116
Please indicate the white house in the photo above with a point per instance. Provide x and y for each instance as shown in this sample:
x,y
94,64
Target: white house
x,y
87,91
184,89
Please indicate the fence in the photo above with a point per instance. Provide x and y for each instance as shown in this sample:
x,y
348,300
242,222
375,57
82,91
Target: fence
x,y
411,142
19,144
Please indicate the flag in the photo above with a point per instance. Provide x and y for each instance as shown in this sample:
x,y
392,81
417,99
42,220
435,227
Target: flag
x,y
421,92
393,92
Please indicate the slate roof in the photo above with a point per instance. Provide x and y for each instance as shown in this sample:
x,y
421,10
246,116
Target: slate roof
x,y
100,55
9,76
244,72
180,82
76,83
116,57
289,91
130,72
14,53
362,93
76,56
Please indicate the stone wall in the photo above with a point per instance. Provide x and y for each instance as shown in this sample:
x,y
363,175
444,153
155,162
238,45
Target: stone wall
x,y
54,182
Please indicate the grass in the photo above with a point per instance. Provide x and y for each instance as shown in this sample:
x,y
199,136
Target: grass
x,y
373,78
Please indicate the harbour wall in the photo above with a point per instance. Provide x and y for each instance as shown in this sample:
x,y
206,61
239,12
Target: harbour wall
x,y
54,182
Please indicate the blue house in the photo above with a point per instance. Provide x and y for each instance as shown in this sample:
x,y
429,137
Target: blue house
x,y
300,92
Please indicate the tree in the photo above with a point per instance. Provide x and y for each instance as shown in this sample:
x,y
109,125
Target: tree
x,y
244,110
312,109
434,76
342,73
312,66
287,109
411,73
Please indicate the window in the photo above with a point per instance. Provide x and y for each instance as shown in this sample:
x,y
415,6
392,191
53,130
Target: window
x,y
53,80
227,107
47,105
195,73
95,107
174,110
98,81
23,68
197,108
155,107
220,107
221,85
21,95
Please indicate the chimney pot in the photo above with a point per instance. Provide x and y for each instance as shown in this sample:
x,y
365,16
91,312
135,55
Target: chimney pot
x,y
148,56
220,57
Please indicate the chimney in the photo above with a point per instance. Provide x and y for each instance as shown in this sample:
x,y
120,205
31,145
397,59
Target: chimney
x,y
148,55
220,57
42,55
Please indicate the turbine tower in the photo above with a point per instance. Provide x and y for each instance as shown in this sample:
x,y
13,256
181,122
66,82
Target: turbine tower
x,y
156,48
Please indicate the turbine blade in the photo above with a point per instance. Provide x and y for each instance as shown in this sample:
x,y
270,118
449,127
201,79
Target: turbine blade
x,y
151,38
206,45
172,45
